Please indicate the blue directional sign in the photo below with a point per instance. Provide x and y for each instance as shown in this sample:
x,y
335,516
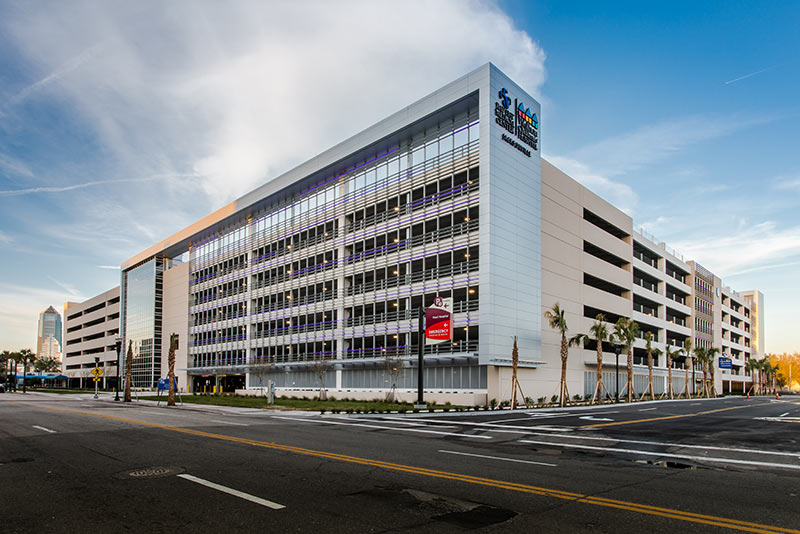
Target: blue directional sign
x,y
163,384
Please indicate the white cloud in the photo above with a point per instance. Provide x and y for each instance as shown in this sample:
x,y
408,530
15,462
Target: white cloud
x,y
72,187
239,92
11,165
70,289
604,166
616,192
109,267
632,151
730,251
61,71
786,184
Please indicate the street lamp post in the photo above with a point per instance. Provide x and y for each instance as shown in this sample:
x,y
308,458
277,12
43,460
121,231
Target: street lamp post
x,y
118,342
617,350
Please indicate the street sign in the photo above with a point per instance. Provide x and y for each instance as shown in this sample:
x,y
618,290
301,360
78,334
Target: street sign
x,y
439,321
163,384
96,379
97,372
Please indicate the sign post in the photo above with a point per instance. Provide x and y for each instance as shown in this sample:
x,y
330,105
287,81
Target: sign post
x,y
97,372
420,404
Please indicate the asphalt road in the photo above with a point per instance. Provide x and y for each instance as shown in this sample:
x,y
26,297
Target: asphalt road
x,y
74,464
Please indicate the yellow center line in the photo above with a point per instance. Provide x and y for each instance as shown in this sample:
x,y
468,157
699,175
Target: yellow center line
x,y
511,486
618,423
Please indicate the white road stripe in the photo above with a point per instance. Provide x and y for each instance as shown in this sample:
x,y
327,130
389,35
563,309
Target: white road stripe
x,y
408,423
45,429
509,429
663,454
231,491
499,458
677,445
384,427
227,422
647,409
784,414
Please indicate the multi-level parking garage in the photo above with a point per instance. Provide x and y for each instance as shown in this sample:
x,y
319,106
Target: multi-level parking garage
x,y
318,276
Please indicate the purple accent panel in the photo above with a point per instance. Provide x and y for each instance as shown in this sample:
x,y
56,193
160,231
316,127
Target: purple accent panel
x,y
329,181
338,203
219,305
353,238
218,340
428,199
286,316
343,336
295,203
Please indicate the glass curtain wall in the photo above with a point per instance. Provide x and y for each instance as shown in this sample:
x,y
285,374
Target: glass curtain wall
x,y
340,270
143,310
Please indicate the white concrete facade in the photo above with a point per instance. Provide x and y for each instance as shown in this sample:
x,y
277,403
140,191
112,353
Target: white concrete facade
x,y
90,331
246,296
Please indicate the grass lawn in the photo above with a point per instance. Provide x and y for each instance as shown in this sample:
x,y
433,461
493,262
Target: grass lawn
x,y
284,403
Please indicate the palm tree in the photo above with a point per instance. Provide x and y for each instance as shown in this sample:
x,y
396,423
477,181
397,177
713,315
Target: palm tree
x,y
671,353
599,333
686,352
648,337
625,334
712,360
5,356
752,366
702,357
26,356
128,371
557,320
769,375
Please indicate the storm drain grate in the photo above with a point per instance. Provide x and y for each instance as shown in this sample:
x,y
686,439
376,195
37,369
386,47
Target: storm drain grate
x,y
149,472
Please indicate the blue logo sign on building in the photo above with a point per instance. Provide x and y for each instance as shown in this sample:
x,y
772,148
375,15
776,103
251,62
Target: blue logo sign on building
x,y
521,122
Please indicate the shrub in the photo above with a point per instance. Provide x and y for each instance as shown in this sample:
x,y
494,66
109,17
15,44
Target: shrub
x,y
477,407
349,410
540,401
322,411
554,399
505,404
577,397
493,404
401,410
415,410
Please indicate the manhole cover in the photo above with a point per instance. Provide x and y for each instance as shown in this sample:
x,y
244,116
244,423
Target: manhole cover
x,y
149,472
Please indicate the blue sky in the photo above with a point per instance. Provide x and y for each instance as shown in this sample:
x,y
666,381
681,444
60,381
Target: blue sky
x,y
122,122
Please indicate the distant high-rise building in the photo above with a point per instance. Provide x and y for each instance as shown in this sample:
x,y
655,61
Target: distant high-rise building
x,y
49,327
